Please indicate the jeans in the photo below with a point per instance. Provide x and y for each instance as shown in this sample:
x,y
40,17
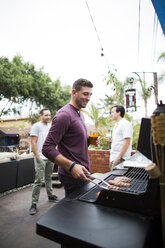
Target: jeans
x,y
43,169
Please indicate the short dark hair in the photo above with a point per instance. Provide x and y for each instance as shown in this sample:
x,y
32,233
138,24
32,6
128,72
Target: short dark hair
x,y
81,83
120,109
42,110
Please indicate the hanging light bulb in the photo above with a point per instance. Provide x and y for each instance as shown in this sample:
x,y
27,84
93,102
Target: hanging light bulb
x,y
102,54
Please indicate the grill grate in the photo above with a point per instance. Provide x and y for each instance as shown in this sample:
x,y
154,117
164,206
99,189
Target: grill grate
x,y
141,196
139,182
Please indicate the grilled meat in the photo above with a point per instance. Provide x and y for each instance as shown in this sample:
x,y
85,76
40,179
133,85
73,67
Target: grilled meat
x,y
119,183
122,179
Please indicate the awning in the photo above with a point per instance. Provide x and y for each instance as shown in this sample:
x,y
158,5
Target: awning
x,y
159,6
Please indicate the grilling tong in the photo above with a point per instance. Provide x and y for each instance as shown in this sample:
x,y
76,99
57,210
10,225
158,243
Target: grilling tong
x,y
91,178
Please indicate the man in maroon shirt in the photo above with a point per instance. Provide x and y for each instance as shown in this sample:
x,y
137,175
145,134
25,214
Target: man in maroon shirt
x,y
67,142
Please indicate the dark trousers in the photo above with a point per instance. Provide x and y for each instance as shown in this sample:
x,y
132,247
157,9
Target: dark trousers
x,y
70,184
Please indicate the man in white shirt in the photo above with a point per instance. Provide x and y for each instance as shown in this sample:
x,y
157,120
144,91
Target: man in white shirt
x,y
121,146
43,166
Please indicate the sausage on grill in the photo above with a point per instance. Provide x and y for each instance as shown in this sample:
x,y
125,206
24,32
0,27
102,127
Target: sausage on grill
x,y
122,179
113,187
119,184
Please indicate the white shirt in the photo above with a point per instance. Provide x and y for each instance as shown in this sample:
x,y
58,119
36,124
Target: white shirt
x,y
122,129
41,131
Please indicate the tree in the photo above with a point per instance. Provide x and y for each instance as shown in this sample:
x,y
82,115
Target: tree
x,y
56,96
101,122
100,115
117,90
21,83
104,124
146,91
162,58
96,116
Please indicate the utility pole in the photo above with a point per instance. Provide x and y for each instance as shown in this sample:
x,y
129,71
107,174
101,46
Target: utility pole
x,y
155,87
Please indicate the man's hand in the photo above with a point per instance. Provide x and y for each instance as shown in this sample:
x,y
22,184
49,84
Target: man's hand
x,y
34,147
109,139
37,157
79,171
115,162
98,140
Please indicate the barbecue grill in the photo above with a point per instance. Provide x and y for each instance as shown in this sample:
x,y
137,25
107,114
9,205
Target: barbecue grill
x,y
141,196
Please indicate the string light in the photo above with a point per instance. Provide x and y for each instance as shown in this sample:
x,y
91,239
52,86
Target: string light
x,y
102,53
139,31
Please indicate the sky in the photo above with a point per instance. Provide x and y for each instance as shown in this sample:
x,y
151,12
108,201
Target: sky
x,y
59,36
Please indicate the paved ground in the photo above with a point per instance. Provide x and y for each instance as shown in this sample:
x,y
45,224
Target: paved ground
x,y
17,227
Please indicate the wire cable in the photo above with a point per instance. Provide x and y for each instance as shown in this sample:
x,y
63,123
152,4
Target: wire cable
x,y
102,54
139,31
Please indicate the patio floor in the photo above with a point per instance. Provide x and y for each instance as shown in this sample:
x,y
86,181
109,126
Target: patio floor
x,y
17,227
